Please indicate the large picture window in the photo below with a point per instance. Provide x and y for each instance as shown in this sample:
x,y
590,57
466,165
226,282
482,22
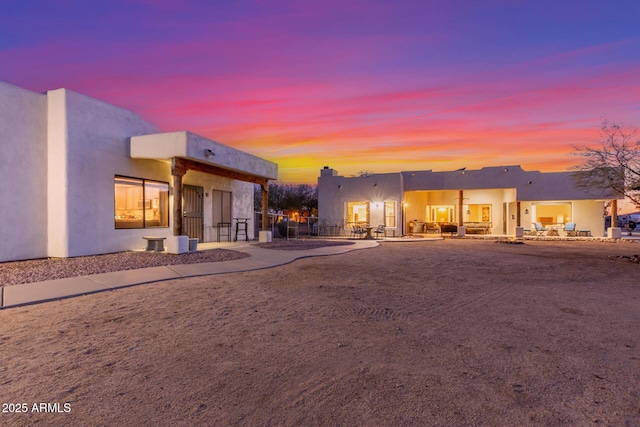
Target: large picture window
x,y
478,213
358,212
141,203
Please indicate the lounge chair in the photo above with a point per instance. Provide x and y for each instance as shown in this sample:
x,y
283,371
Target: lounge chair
x,y
570,229
539,229
380,230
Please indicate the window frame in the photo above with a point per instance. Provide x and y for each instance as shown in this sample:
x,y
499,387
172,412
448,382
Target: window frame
x,y
143,182
389,220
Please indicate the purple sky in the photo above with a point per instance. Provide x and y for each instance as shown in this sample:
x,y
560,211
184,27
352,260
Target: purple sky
x,y
377,85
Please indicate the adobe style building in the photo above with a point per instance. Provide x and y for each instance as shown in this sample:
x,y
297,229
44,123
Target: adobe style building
x,y
82,177
492,200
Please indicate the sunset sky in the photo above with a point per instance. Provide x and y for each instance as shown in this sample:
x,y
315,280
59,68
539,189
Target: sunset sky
x,y
355,85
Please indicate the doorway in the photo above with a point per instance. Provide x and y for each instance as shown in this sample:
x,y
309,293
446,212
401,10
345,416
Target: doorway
x,y
192,203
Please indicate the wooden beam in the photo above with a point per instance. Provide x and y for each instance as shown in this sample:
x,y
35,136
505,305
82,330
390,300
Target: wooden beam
x,y
518,215
265,206
184,164
460,204
177,205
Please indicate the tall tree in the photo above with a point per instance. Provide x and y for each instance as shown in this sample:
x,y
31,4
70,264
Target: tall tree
x,y
292,197
614,164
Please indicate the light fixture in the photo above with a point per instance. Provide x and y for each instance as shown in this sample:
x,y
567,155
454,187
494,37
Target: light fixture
x,y
506,169
339,186
526,211
209,153
468,212
529,182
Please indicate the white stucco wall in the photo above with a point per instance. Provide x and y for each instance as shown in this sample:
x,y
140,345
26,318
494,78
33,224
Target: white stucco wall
x,y
195,147
23,169
589,215
335,191
88,146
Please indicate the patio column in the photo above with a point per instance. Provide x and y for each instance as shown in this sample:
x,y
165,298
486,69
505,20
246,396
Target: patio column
x,y
614,213
177,171
265,206
518,214
460,203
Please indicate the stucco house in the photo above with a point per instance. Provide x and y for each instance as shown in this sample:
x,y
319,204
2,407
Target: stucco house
x,y
492,200
83,177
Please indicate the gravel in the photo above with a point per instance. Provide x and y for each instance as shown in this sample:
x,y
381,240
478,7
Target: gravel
x,y
17,272
38,270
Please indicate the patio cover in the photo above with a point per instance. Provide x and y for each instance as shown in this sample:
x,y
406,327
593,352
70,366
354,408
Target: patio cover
x,y
187,151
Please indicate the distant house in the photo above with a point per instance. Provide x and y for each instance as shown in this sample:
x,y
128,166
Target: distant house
x,y
493,200
81,177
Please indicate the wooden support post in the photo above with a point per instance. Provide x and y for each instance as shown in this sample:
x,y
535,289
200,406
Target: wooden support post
x,y
614,213
177,171
518,214
265,206
460,203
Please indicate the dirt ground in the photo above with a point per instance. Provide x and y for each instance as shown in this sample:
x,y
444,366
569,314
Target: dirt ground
x,y
440,333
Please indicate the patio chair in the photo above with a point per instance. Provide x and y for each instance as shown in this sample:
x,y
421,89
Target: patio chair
x,y
357,231
540,230
380,230
570,229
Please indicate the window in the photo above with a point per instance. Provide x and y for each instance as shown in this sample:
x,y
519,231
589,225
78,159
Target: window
x,y
358,212
552,213
221,206
441,213
390,214
141,203
478,213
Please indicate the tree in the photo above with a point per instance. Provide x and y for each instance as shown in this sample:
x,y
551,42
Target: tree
x,y
362,174
614,164
291,197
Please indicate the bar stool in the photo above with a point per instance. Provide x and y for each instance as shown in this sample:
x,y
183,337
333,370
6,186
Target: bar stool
x,y
224,226
241,227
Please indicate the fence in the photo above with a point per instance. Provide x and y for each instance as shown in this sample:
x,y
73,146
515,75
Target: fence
x,y
301,227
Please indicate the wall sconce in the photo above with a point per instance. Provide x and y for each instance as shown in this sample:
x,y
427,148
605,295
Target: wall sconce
x,y
513,216
468,212
506,169
209,153
526,211
339,186
529,182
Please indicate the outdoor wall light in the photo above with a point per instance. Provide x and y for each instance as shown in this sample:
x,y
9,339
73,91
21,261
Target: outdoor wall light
x,y
209,153
526,211
529,182
339,186
506,169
